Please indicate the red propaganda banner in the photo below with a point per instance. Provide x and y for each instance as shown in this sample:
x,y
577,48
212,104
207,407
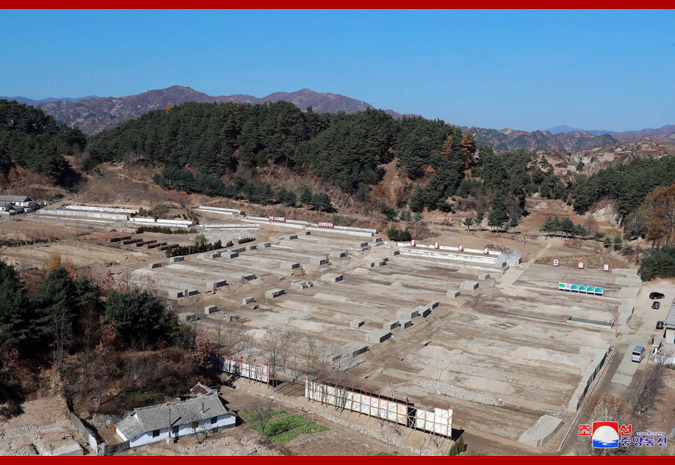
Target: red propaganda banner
x,y
278,219
324,224
555,262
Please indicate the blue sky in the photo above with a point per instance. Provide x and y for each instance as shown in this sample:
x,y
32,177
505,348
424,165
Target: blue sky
x,y
520,69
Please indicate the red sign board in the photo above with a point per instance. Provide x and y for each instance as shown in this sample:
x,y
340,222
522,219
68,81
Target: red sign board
x,y
412,242
278,219
605,267
324,224
486,251
436,246
581,265
555,262
461,248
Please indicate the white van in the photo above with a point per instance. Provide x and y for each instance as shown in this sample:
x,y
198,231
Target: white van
x,y
638,354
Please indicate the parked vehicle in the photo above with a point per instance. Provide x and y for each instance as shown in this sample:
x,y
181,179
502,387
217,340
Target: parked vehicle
x,y
659,325
638,354
656,305
656,295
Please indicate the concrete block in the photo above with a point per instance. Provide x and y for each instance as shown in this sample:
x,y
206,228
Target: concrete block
x,y
338,254
274,293
154,265
215,255
216,284
378,240
420,310
483,276
318,260
69,449
426,312
371,265
230,254
252,247
289,265
179,258
187,317
247,300
397,252
391,325
358,349
209,309
629,281
378,335
406,313
331,277
405,324
239,249
542,431
468,286
193,292
363,244
452,294
382,263
302,284
292,237
629,292
355,324
307,233
434,304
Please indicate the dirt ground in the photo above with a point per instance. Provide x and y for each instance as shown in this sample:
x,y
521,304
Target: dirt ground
x,y
42,428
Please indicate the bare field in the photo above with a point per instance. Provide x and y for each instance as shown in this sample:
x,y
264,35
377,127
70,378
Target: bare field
x,y
500,355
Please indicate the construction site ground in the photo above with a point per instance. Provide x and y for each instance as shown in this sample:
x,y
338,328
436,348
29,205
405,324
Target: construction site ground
x,y
500,356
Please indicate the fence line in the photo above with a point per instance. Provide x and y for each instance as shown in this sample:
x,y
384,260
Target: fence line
x,y
438,422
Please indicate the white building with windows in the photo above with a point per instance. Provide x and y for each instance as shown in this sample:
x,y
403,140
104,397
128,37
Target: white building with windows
x,y
199,414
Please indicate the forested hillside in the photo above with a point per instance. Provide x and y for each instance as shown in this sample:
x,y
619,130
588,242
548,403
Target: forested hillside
x,y
31,139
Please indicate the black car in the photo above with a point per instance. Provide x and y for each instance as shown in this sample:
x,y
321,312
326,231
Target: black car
x,y
659,325
656,295
656,305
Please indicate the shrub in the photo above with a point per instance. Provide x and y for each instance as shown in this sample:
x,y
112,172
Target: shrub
x,y
458,447
395,234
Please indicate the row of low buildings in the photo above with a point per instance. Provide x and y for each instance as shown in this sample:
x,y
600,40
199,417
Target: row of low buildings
x,y
13,204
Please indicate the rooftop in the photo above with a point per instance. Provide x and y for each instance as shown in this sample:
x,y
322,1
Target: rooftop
x,y
143,420
670,319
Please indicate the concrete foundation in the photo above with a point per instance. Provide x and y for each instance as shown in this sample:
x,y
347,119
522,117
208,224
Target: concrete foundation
x,y
318,261
252,247
629,292
405,324
468,288
625,314
247,300
154,265
338,254
452,294
230,254
378,335
391,325
355,324
302,284
289,265
216,284
426,312
293,237
274,293
267,244
215,255
483,276
331,277
406,313
187,317
209,309
179,258
543,430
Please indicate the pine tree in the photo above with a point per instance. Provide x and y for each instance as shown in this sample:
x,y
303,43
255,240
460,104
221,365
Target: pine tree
x,y
306,197
468,149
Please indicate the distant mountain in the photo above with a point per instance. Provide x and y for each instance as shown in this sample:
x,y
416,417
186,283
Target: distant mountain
x,y
28,101
93,115
620,135
511,139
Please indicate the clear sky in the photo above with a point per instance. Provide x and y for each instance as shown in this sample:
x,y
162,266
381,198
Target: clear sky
x,y
611,70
